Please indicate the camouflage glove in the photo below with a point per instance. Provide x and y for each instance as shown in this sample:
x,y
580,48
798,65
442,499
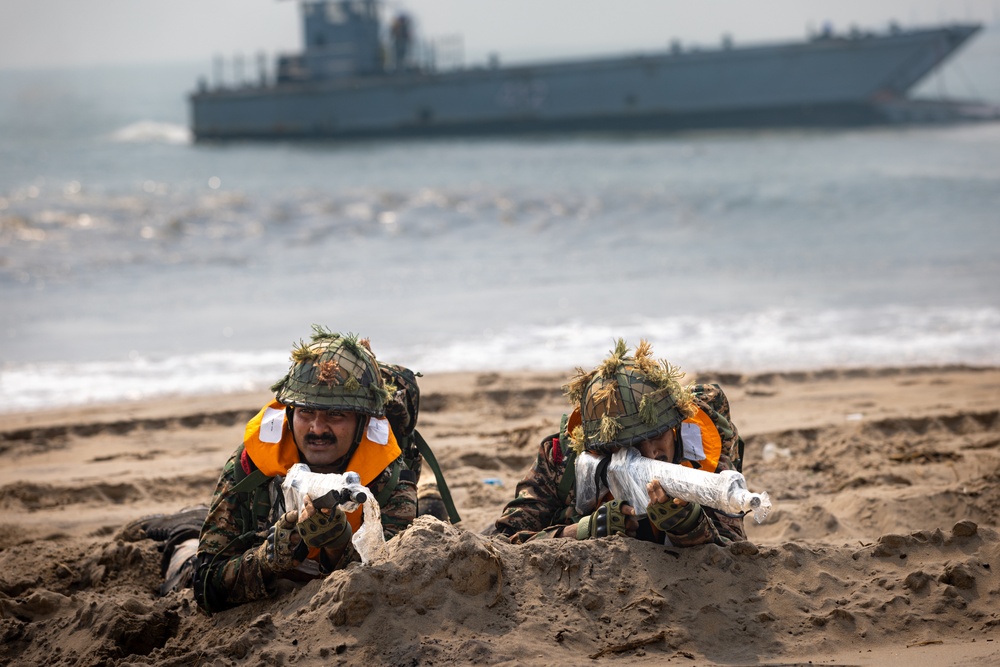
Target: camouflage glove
x,y
673,518
607,520
331,531
283,549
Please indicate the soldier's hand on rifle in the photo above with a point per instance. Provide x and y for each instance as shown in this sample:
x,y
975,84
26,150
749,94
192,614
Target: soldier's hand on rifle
x,y
667,513
326,527
612,518
283,549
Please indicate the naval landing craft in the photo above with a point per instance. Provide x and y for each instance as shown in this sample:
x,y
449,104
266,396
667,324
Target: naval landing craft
x,y
355,79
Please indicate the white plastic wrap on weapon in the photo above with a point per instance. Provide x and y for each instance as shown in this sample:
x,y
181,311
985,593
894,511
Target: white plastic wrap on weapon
x,y
587,489
369,540
629,472
301,482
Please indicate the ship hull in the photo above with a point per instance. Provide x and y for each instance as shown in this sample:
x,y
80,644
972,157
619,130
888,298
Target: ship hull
x,y
832,82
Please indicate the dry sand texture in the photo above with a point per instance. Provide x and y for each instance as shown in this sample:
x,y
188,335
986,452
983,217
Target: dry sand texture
x,y
882,548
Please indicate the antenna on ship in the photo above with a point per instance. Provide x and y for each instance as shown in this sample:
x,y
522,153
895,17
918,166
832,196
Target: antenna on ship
x,y
238,80
261,69
217,66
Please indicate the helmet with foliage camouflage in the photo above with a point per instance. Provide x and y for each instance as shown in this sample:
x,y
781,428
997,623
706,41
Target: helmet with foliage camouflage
x,y
626,400
334,372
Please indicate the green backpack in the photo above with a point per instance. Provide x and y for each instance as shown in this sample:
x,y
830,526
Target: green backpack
x,y
402,412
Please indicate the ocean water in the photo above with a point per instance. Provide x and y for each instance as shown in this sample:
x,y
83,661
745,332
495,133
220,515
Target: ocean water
x,y
135,264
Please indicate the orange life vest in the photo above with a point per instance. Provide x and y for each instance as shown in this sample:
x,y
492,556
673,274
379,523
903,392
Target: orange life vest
x,y
269,443
701,442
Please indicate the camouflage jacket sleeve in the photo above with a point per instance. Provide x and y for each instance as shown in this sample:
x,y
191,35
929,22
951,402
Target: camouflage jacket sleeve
x,y
714,525
228,572
537,510
400,508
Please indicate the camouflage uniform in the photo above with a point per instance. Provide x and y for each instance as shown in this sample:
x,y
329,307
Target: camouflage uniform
x,y
238,559
229,542
540,510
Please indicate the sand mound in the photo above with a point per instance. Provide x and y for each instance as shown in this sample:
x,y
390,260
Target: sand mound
x,y
446,595
881,548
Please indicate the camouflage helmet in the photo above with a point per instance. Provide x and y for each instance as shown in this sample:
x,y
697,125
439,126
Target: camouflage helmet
x,y
334,372
626,400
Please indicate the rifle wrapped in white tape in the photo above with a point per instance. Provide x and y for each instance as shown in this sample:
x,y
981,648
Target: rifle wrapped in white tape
x,y
327,490
628,473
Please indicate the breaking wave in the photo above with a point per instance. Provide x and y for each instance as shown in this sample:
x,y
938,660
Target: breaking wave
x,y
770,340
773,340
152,132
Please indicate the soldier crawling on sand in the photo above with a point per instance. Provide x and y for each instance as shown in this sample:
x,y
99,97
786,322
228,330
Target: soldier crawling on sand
x,y
629,401
334,411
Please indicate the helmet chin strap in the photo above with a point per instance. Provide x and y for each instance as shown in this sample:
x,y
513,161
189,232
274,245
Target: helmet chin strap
x,y
678,445
359,432
289,417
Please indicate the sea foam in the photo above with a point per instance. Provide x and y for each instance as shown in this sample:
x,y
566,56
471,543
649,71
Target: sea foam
x,y
772,340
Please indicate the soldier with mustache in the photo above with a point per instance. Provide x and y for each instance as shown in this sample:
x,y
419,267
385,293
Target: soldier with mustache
x,y
329,413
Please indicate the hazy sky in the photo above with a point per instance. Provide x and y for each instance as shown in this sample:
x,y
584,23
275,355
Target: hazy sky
x,y
59,33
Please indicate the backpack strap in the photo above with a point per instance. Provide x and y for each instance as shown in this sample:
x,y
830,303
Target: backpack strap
x,y
738,462
425,451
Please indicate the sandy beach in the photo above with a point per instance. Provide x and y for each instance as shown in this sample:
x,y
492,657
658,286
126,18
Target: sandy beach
x,y
882,547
